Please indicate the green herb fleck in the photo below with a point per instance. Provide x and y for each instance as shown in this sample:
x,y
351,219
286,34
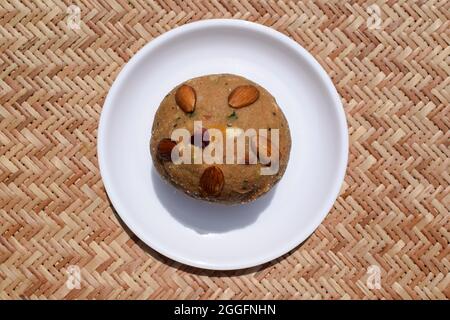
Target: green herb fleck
x,y
233,116
191,114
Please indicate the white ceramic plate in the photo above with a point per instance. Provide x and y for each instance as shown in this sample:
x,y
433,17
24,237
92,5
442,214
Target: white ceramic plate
x,y
214,236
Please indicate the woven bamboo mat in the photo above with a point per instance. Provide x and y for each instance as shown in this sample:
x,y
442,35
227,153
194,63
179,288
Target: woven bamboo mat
x,y
390,63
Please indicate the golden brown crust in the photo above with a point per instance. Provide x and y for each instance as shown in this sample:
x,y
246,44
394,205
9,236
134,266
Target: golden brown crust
x,y
243,183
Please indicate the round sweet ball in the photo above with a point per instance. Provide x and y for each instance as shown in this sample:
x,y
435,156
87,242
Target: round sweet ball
x,y
196,132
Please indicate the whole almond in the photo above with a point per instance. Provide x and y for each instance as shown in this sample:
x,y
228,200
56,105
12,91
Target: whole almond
x,y
212,181
202,137
185,98
250,158
243,96
264,152
165,147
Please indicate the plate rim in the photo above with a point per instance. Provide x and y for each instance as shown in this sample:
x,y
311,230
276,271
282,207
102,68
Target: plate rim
x,y
318,69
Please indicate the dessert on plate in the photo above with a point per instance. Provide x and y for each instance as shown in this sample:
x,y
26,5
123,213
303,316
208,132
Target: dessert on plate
x,y
220,138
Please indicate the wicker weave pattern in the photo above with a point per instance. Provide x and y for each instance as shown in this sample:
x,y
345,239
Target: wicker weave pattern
x,y
393,211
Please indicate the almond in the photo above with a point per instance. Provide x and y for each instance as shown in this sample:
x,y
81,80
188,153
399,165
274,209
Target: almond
x,y
165,147
185,98
212,181
202,137
248,157
264,152
243,96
